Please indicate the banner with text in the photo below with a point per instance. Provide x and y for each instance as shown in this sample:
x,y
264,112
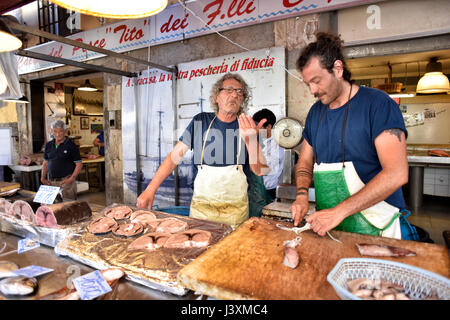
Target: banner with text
x,y
178,23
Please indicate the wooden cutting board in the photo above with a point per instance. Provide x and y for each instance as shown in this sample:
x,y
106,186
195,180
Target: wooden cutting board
x,y
248,263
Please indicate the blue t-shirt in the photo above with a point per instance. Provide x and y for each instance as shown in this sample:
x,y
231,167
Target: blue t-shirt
x,y
221,145
370,112
101,139
61,159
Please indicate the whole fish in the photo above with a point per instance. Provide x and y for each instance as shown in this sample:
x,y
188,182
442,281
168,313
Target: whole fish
x,y
380,250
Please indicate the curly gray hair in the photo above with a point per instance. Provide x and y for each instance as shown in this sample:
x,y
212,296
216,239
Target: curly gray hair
x,y
58,124
215,90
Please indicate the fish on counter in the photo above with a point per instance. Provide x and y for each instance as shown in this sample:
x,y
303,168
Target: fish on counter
x,y
150,241
143,217
22,210
168,225
438,153
64,213
376,289
137,213
18,286
118,212
291,258
380,250
102,225
192,238
128,229
4,206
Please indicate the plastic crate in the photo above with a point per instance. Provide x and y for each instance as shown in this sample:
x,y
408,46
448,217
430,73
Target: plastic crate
x,y
418,283
180,210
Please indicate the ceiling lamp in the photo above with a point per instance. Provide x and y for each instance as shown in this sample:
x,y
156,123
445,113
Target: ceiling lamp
x,y
87,86
23,99
115,9
434,81
8,42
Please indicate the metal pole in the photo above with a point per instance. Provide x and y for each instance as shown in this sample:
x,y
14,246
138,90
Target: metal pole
x,y
137,103
40,56
17,26
175,127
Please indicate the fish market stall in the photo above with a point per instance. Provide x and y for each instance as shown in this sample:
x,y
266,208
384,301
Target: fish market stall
x,y
22,222
65,270
145,259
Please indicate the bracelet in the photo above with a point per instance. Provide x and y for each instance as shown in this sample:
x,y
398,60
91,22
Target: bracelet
x,y
302,193
302,188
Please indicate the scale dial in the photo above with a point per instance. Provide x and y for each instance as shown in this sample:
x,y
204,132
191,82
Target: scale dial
x,y
287,132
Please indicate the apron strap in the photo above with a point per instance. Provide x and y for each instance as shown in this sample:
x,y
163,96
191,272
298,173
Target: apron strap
x,y
343,128
206,138
345,123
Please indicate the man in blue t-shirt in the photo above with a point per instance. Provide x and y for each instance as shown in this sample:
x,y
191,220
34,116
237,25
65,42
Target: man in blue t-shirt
x,y
352,124
224,145
100,142
62,162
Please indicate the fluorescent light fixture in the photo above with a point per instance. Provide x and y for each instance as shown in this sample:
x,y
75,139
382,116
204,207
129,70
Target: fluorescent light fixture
x,y
434,81
87,86
116,9
8,42
23,99
402,95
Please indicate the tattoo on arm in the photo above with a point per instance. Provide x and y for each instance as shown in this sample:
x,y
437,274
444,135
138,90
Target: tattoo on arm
x,y
395,132
304,173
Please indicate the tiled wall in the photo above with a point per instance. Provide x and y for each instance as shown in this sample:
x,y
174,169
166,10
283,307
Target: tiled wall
x,y
435,182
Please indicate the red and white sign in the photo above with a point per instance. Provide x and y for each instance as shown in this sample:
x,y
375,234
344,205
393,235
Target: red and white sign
x,y
177,23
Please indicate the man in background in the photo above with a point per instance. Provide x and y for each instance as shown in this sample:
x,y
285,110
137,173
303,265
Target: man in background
x,y
62,162
272,151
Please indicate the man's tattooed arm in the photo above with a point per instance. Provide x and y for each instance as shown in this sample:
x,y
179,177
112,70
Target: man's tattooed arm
x,y
395,132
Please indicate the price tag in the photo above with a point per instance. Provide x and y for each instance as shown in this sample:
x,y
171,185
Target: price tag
x,y
27,244
91,285
32,271
46,194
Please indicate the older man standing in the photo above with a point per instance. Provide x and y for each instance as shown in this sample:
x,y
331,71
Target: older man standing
x,y
220,158
62,162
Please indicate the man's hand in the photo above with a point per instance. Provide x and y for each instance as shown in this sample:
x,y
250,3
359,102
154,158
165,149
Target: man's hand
x,y
324,220
248,127
299,208
145,200
67,181
45,181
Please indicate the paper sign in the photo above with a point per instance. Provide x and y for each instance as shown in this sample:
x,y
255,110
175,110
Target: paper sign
x,y
32,271
46,194
91,285
26,245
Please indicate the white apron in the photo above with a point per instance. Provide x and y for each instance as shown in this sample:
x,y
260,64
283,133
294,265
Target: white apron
x,y
220,193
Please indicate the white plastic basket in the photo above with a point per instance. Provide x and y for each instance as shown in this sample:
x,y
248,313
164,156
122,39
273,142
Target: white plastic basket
x,y
418,283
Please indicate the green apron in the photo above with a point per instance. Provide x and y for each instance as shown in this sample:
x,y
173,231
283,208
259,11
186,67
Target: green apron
x,y
258,197
331,189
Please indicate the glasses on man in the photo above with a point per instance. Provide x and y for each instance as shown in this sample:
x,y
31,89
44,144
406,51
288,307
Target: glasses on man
x,y
230,90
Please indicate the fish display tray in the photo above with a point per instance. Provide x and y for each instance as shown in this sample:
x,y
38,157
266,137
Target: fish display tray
x,y
155,269
48,236
418,283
